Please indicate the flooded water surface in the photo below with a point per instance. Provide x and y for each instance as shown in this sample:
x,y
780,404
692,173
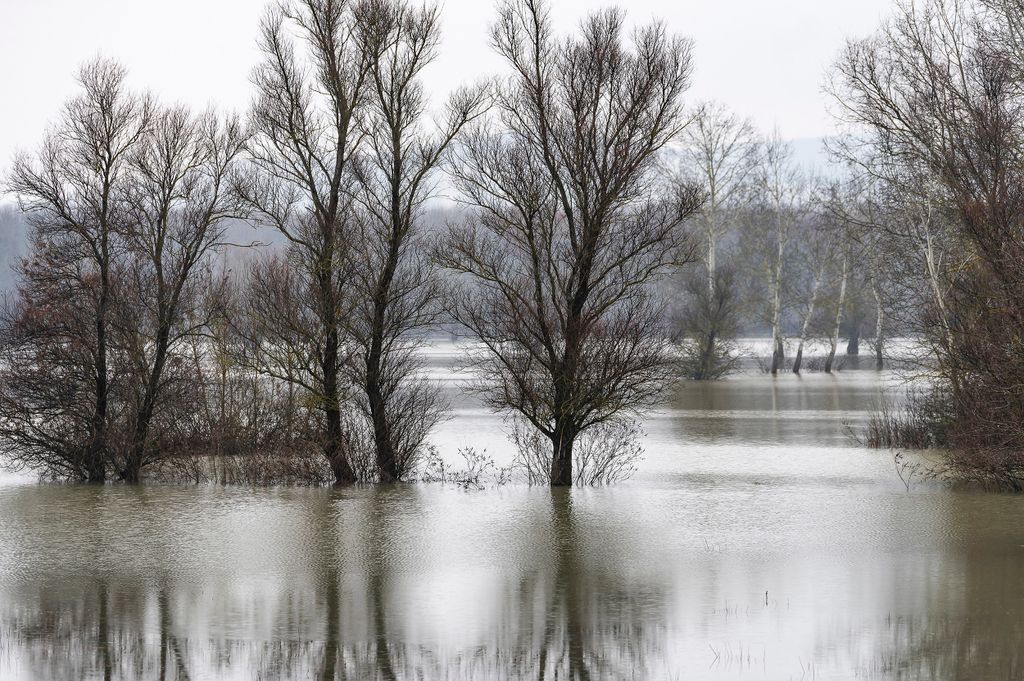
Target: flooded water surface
x,y
755,542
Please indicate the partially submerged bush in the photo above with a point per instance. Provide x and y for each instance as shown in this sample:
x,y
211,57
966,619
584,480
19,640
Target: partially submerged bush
x,y
817,363
276,445
604,454
479,471
260,468
926,420
705,326
921,421
1001,469
704,359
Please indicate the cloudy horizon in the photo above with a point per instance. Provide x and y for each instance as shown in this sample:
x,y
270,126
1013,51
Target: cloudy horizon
x,y
758,58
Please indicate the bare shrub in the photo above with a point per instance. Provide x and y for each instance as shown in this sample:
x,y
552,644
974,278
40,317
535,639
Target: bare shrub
x,y
707,359
764,364
991,467
479,470
255,468
821,363
183,469
706,325
922,421
358,444
306,467
605,454
906,469
927,419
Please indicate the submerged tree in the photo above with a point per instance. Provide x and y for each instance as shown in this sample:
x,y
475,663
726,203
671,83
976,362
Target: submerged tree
x,y
396,287
310,91
706,323
572,226
175,210
935,96
814,246
781,202
58,378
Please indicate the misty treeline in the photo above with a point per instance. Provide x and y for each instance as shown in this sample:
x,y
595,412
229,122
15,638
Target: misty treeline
x,y
783,252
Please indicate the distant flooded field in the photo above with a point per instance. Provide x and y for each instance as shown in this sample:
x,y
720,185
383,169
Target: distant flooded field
x,y
755,541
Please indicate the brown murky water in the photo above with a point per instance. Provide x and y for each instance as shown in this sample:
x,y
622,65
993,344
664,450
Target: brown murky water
x,y
755,543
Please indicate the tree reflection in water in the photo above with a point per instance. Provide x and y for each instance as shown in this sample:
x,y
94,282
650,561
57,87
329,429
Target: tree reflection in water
x,y
562,621
358,598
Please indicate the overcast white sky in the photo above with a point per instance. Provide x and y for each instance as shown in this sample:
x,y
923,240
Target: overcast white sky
x,y
764,58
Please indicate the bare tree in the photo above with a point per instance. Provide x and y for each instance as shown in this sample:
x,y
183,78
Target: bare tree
x,y
840,302
72,191
175,209
868,223
815,245
396,286
844,210
571,225
718,154
310,91
705,322
782,193
868,234
936,96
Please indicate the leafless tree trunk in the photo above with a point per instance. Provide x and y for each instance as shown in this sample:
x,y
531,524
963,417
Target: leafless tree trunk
x,y
571,225
879,343
396,288
782,187
840,302
304,124
808,315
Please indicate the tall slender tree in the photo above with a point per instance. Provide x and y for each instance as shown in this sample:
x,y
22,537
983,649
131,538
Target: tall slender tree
x,y
396,288
782,195
719,153
311,90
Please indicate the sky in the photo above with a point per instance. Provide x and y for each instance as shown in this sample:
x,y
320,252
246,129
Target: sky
x,y
766,59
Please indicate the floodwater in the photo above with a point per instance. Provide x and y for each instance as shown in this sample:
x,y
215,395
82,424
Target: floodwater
x,y
755,542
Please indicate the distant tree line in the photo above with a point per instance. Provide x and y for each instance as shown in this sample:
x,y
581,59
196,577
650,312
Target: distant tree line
x,y
783,252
